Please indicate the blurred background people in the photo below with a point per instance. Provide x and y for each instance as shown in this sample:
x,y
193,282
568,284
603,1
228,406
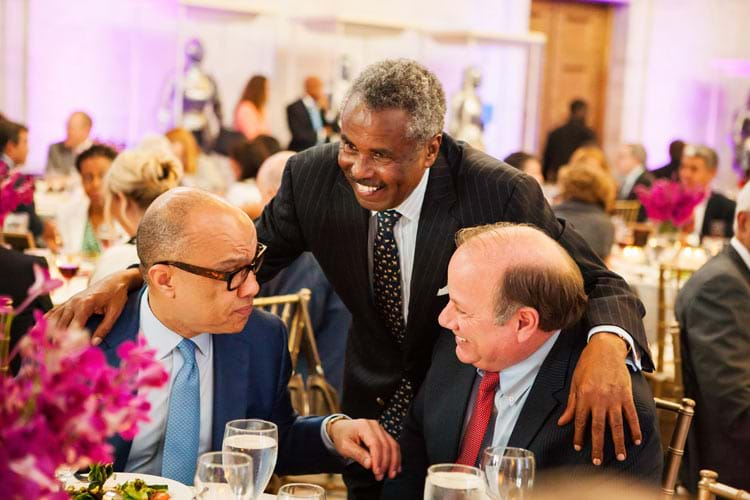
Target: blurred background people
x,y
630,164
81,222
250,116
592,154
669,171
562,141
526,163
714,216
133,181
306,117
61,156
245,159
587,195
200,170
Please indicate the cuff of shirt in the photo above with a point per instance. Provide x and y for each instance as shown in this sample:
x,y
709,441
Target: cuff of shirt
x,y
634,359
327,441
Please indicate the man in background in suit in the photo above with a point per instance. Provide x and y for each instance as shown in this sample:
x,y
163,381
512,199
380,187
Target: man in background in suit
x,y
712,309
329,316
306,117
515,306
379,211
631,165
61,157
669,171
565,139
714,216
199,257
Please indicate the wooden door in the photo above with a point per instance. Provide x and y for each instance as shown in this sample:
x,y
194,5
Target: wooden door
x,y
575,60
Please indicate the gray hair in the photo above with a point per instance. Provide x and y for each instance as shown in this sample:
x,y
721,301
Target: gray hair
x,y
407,85
638,152
707,154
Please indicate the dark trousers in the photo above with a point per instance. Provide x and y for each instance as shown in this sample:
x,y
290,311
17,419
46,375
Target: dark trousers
x,y
361,484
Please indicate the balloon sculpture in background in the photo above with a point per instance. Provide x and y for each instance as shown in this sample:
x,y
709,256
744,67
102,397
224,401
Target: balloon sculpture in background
x,y
193,100
741,139
466,111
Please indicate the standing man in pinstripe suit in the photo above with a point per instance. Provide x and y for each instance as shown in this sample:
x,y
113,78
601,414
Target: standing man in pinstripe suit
x,y
379,212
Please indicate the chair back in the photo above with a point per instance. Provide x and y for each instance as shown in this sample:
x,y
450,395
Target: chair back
x,y
709,488
627,210
685,410
316,396
671,278
18,241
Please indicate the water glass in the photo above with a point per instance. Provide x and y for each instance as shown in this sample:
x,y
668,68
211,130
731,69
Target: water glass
x,y
223,475
509,472
258,439
301,491
453,482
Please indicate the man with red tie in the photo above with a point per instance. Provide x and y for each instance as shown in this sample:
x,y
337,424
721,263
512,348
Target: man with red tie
x,y
503,376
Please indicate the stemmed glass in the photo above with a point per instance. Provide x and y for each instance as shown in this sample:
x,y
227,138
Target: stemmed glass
x,y
509,472
301,491
220,475
258,439
68,265
453,482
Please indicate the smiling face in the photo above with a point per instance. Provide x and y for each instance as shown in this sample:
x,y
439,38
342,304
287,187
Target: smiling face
x,y
694,173
381,164
93,170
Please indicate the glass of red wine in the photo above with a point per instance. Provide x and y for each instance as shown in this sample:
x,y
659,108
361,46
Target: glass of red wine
x,y
68,265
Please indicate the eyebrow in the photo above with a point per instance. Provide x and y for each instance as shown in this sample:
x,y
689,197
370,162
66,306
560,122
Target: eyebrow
x,y
233,262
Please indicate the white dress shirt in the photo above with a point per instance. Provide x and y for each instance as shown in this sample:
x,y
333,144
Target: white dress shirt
x,y
699,213
742,250
405,233
629,181
512,391
147,447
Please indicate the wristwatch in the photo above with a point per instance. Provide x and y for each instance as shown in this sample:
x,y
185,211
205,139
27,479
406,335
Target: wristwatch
x,y
333,419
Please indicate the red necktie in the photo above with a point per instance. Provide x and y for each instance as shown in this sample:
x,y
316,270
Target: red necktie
x,y
480,418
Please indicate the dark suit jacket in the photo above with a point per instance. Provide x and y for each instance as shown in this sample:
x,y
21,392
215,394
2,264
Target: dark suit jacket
x,y
719,209
645,179
433,430
668,171
251,373
330,319
316,210
16,276
300,125
561,143
592,223
712,309
60,159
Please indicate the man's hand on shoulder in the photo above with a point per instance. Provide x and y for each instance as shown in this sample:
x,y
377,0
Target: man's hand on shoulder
x,y
366,442
601,387
106,297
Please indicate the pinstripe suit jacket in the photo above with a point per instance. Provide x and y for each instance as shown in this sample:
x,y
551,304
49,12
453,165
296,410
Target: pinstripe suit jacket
x,y
316,210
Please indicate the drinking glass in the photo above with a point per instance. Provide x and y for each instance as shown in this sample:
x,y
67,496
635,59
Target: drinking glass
x,y
258,439
509,472
222,475
453,482
301,491
68,265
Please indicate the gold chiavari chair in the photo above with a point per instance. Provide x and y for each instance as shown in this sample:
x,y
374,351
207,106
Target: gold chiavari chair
x,y
627,210
685,410
709,488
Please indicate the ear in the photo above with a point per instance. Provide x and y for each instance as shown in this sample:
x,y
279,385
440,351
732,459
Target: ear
x,y
433,149
161,278
527,323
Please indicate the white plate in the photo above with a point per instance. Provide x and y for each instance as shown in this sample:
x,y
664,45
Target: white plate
x,y
177,490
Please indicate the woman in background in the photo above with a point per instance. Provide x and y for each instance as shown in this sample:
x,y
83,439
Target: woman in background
x,y
200,170
250,117
587,196
245,158
135,179
526,163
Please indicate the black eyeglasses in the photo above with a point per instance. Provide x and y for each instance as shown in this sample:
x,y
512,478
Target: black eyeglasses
x,y
234,279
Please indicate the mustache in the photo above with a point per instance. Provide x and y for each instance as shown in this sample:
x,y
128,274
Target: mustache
x,y
366,182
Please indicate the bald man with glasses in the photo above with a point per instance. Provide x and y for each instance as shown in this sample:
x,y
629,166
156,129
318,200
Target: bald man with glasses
x,y
199,258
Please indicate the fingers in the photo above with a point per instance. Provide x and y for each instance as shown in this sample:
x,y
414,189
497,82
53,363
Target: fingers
x,y
395,455
351,449
376,444
618,435
581,419
111,313
570,410
631,415
598,424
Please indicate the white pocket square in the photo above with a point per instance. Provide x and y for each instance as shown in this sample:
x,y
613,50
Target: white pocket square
x,y
443,291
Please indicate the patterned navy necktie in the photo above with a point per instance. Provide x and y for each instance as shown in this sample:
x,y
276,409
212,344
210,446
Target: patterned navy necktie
x,y
386,277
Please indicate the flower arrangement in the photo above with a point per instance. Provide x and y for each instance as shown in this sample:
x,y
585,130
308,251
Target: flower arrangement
x,y
66,399
15,189
669,202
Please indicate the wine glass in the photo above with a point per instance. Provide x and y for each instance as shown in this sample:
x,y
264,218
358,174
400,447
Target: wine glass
x,y
260,440
68,265
509,472
301,491
106,235
221,475
453,482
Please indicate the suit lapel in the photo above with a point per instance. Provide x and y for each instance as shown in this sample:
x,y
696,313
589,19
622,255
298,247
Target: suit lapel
x,y
435,245
231,367
738,262
547,392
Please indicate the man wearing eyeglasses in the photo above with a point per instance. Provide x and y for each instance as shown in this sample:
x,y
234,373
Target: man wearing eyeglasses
x,y
199,259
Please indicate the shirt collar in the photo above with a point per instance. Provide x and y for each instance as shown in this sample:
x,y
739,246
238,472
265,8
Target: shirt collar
x,y
309,102
161,338
6,159
82,146
742,250
411,207
517,379
633,175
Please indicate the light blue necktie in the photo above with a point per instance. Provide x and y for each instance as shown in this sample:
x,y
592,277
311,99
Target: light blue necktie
x,y
315,118
184,420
